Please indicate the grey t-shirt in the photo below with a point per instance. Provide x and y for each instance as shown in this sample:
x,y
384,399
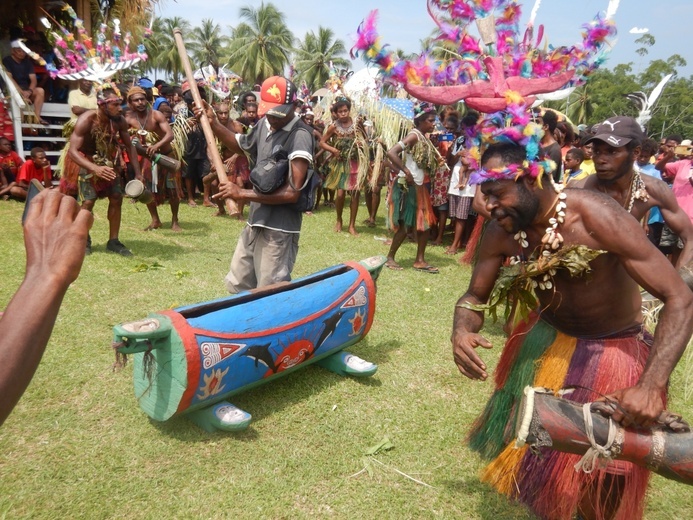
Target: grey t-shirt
x,y
260,144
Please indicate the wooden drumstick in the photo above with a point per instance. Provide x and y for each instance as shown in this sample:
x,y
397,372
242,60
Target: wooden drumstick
x,y
231,206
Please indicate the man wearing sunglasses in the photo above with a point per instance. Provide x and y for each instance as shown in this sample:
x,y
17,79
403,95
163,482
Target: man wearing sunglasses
x,y
92,164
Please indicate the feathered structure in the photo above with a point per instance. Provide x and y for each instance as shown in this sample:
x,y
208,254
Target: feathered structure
x,y
482,69
81,58
220,82
513,125
645,104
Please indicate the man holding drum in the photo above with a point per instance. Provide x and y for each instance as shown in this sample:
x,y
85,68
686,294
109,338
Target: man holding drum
x,y
577,260
152,130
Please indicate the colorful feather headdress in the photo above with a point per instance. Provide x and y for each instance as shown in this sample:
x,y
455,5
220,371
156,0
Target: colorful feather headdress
x,y
480,70
81,58
513,125
220,81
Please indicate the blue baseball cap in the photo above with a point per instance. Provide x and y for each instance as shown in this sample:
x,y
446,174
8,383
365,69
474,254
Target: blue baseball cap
x,y
145,83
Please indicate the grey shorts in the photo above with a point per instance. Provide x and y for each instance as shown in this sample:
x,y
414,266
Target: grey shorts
x,y
262,257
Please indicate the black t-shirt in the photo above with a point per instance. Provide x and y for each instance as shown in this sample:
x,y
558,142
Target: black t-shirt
x,y
554,153
20,71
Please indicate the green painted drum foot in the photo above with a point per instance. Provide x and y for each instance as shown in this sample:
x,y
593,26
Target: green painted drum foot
x,y
222,416
346,364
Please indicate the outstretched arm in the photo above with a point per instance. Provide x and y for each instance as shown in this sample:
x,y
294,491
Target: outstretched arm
x,y
621,235
55,234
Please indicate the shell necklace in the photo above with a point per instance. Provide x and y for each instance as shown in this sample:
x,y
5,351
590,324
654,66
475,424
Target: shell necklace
x,y
344,130
636,191
550,242
142,131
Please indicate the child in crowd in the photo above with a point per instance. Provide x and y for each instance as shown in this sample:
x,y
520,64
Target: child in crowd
x,y
573,159
654,219
346,141
9,167
587,164
38,167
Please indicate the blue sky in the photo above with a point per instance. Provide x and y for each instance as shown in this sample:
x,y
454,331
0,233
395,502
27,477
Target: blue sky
x,y
402,23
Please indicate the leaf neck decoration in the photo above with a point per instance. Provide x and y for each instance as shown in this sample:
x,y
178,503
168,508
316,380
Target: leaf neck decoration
x,y
517,283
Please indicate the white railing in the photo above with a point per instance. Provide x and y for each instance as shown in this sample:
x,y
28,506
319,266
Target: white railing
x,y
51,133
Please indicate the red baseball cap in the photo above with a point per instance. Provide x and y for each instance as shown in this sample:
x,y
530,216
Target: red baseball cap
x,y
278,96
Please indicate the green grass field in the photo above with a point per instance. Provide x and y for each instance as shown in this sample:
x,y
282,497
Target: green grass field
x,y
78,446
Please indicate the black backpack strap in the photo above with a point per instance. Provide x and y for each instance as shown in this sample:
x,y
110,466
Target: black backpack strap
x,y
309,174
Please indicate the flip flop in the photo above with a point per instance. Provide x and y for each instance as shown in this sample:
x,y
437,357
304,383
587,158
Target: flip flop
x,y
427,269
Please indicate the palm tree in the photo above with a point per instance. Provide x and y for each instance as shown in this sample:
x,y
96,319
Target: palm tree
x,y
316,55
207,43
161,47
579,106
261,45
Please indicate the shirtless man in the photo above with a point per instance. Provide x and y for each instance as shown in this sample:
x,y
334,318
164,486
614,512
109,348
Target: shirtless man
x,y
616,145
92,166
153,123
587,333
211,180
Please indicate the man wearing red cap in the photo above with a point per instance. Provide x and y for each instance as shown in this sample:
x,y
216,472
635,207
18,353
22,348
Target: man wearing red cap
x,y
268,246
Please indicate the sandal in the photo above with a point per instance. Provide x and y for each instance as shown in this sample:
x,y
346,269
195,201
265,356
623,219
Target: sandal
x,y
427,269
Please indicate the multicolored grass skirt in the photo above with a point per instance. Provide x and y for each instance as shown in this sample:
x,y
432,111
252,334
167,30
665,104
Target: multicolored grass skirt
x,y
344,175
537,354
412,206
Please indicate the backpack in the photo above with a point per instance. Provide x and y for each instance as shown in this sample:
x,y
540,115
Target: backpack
x,y
272,180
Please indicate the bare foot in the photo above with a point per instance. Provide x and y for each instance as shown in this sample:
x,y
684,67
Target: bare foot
x,y
353,232
338,227
391,264
154,225
192,203
451,251
208,204
176,227
219,213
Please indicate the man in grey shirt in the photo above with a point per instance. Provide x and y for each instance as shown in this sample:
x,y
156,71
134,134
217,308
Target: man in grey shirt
x,y
267,248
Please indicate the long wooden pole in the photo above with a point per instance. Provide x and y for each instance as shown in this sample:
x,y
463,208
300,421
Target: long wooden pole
x,y
231,206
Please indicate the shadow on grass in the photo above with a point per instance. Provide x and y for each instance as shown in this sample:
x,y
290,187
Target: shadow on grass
x,y
491,504
155,249
377,352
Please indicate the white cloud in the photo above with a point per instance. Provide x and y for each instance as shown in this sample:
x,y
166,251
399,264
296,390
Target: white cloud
x,y
638,30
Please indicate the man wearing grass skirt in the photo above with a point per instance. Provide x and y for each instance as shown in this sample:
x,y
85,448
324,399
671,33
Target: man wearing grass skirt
x,y
579,328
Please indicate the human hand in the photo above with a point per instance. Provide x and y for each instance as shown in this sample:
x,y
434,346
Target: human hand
x,y
639,406
464,352
105,172
204,109
152,149
55,237
227,190
408,176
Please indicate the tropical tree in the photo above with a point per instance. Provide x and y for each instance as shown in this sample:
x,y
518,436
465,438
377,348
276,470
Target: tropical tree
x,y
316,55
161,47
261,44
207,43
